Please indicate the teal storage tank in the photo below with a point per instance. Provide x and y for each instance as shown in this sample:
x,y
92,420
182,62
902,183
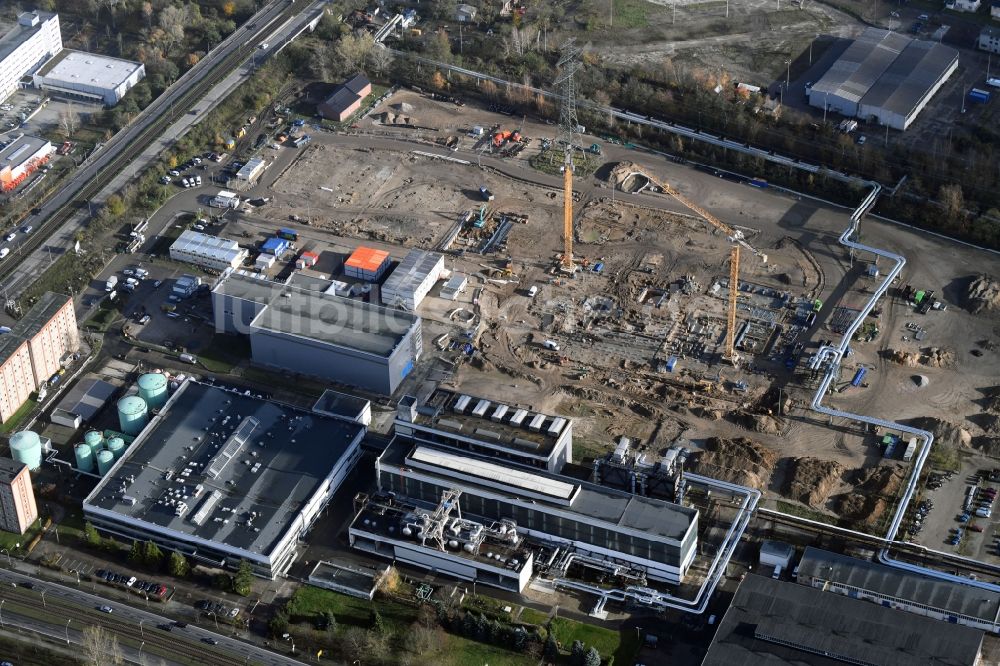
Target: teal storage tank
x,y
132,414
105,459
26,447
84,458
117,447
95,441
153,389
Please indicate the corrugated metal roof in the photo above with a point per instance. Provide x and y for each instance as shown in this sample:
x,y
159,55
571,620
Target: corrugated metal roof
x,y
773,622
860,66
416,266
910,77
954,598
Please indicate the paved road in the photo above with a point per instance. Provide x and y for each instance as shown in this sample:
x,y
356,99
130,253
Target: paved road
x,y
191,641
61,239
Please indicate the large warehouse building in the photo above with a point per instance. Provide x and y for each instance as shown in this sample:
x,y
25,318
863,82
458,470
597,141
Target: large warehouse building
x,y
29,45
89,77
770,622
412,279
884,77
21,158
315,332
478,518
223,477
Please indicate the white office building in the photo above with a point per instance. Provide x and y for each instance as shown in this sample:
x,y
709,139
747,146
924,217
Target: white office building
x,y
24,49
208,251
89,77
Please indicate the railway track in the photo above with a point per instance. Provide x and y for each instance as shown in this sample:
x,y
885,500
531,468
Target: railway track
x,y
169,644
159,120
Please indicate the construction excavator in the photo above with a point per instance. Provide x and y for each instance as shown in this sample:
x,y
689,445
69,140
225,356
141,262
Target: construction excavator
x,y
735,236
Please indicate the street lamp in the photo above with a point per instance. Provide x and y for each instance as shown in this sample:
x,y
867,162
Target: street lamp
x,y
788,73
141,633
140,652
67,631
2,602
43,597
9,562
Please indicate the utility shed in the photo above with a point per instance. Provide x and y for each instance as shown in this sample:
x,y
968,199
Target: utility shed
x,y
776,554
772,622
411,281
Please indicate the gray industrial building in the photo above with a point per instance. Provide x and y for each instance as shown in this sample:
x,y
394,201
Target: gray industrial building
x,y
490,427
884,77
771,623
317,333
89,77
412,279
949,601
479,518
223,477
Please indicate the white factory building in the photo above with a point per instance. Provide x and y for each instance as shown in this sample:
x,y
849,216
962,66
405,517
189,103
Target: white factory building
x,y
412,279
208,251
29,45
884,77
22,157
89,77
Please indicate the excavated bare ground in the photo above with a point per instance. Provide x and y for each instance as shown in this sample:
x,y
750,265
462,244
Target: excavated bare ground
x,y
740,460
811,480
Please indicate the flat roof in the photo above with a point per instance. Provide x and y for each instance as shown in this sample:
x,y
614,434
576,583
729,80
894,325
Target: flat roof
x,y
204,245
9,469
87,397
496,473
20,150
31,323
247,454
20,33
412,271
590,502
77,67
910,77
501,425
250,169
772,623
859,67
944,595
367,259
342,405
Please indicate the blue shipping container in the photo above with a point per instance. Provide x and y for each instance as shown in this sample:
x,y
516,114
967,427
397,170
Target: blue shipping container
x,y
671,362
977,95
858,376
599,266
758,182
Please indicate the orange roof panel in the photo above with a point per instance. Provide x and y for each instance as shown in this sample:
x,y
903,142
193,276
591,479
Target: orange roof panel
x,y
367,259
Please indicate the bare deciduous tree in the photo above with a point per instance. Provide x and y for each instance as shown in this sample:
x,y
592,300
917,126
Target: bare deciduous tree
x,y
354,49
69,122
173,20
101,648
380,59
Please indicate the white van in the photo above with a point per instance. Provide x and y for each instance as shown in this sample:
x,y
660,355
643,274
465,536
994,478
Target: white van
x,y
777,572
551,344
533,291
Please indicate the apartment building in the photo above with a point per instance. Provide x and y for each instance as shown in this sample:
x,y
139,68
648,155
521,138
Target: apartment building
x,y
25,48
33,351
17,500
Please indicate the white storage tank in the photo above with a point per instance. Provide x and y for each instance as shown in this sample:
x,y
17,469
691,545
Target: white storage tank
x,y
153,388
84,458
95,441
26,447
133,415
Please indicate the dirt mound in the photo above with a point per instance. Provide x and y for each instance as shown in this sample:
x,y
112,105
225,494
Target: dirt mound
x,y
881,480
390,118
904,358
945,432
741,461
990,423
933,357
861,509
991,402
811,480
763,423
983,294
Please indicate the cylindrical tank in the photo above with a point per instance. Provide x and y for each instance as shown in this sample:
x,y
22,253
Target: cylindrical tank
x,y
117,447
105,459
26,447
84,458
95,441
132,414
153,389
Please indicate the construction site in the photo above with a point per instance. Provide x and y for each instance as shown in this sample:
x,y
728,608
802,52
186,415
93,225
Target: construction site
x,y
676,306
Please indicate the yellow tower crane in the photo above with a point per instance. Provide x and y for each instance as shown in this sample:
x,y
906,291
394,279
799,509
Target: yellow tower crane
x,y
736,237
567,258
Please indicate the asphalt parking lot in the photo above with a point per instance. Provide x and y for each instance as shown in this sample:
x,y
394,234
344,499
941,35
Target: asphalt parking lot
x,y
978,537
